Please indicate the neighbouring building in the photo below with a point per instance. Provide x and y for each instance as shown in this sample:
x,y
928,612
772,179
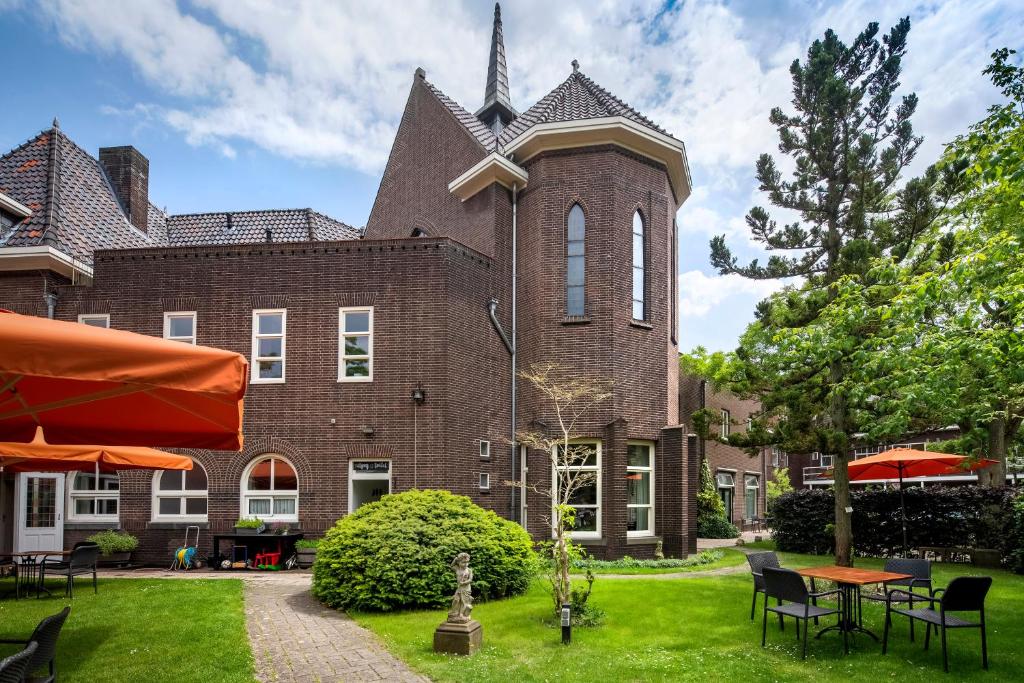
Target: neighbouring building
x,y
739,477
381,357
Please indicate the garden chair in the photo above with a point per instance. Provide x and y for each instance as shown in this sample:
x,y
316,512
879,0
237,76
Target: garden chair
x,y
757,562
14,668
786,586
964,594
81,561
45,639
919,569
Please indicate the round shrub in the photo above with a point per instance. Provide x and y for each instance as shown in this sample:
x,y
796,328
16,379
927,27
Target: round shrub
x,y
397,553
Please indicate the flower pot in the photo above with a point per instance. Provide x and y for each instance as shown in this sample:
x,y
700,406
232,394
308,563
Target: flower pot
x,y
305,557
246,530
115,560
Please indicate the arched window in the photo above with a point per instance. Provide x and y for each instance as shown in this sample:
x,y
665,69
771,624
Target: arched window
x,y
270,490
639,270
575,302
180,495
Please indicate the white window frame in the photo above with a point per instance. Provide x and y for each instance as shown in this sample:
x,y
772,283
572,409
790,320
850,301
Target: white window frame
x,y
353,475
271,493
827,459
485,449
342,356
485,481
639,267
747,487
726,423
635,468
254,369
73,495
180,494
554,483
181,314
105,317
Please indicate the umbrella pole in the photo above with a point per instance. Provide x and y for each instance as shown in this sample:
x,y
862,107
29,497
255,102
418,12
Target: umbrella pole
x,y
903,512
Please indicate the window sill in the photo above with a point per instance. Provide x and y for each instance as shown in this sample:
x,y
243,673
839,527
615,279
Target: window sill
x,y
266,381
177,525
590,541
576,320
642,324
643,540
91,525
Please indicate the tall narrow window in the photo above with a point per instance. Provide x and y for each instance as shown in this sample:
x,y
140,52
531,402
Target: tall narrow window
x,y
640,489
579,469
355,344
268,346
575,302
726,423
639,277
750,501
180,326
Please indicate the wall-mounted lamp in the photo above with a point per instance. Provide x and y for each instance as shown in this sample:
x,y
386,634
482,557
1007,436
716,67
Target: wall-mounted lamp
x,y
367,430
419,396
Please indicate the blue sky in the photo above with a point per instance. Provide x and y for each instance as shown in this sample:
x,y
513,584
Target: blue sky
x,y
242,104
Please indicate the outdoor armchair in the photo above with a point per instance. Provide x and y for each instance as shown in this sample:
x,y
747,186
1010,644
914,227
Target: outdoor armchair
x,y
788,587
757,562
81,561
14,668
964,594
45,639
919,569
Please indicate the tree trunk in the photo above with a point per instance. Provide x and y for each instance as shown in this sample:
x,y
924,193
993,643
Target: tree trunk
x,y
996,474
844,522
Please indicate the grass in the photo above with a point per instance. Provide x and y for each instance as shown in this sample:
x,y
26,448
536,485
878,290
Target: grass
x,y
730,558
142,630
698,629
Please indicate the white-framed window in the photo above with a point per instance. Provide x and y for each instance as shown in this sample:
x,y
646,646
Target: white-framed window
x,y
485,481
584,458
640,489
355,344
826,460
180,326
725,480
95,319
269,327
180,495
779,457
815,456
752,486
485,449
726,423
270,490
639,268
93,496
575,262
368,482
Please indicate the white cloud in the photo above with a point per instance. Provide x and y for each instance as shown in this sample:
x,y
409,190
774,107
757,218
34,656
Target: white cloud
x,y
700,293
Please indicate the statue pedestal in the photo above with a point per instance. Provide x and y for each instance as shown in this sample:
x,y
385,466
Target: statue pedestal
x,y
459,639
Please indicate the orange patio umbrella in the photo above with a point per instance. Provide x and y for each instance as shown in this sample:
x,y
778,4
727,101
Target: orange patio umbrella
x,y
907,463
39,456
85,385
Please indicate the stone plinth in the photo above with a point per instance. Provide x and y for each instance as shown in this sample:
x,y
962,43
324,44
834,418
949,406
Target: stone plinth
x,y
458,639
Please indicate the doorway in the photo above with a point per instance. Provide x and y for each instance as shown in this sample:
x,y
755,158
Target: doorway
x,y
368,482
39,512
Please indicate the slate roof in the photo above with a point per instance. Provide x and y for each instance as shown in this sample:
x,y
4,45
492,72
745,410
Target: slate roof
x,y
245,227
475,126
74,208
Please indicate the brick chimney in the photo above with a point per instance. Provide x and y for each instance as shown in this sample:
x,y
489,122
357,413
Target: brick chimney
x,y
128,172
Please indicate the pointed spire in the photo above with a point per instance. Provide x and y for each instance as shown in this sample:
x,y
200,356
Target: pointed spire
x,y
497,110
56,123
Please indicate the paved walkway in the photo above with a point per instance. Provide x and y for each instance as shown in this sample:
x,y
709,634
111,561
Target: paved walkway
x,y
746,536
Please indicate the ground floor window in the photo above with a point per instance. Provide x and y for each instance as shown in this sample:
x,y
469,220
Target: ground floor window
x,y
750,502
180,495
270,490
580,469
368,481
93,496
640,489
726,490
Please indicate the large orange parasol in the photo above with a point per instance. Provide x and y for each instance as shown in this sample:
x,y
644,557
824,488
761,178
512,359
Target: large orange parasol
x,y
39,456
85,384
906,463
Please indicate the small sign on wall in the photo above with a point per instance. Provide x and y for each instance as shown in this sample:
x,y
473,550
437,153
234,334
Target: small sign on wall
x,y
375,466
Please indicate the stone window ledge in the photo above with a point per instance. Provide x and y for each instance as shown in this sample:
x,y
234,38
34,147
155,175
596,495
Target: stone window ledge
x,y
576,320
590,541
179,526
91,526
643,540
642,324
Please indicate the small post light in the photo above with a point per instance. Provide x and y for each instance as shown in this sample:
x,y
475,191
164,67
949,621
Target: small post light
x,y
566,623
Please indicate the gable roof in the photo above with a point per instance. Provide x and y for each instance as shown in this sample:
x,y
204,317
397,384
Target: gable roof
x,y
470,122
246,227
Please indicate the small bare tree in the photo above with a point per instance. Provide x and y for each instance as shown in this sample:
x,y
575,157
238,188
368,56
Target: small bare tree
x,y
569,398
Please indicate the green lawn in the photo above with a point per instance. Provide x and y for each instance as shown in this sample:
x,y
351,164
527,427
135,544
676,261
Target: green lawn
x,y
730,558
697,629
137,630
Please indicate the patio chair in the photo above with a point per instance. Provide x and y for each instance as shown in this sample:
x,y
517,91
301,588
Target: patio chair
x,y
787,586
919,569
964,594
81,561
757,562
45,639
14,668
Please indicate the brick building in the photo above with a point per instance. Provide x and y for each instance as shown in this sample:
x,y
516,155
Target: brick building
x,y
382,358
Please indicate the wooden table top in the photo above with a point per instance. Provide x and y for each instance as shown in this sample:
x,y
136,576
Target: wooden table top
x,y
37,553
851,575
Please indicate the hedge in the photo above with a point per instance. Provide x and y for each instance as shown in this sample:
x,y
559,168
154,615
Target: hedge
x,y
967,516
397,552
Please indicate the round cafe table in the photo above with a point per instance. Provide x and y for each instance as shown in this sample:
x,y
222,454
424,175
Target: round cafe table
x,y
28,574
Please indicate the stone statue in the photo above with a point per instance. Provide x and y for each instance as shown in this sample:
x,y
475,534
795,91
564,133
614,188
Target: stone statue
x,y
462,601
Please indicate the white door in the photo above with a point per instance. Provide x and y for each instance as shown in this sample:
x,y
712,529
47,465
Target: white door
x,y
39,511
524,470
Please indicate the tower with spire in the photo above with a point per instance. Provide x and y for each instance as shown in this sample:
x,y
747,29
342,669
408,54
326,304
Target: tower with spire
x,y
497,110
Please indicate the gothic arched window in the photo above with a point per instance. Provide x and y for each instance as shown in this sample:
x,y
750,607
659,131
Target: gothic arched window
x,y
575,263
639,269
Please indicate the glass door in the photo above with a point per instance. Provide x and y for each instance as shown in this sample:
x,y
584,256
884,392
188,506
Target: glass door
x,y
39,506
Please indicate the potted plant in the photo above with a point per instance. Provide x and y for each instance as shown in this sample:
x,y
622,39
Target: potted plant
x,y
305,551
116,547
249,526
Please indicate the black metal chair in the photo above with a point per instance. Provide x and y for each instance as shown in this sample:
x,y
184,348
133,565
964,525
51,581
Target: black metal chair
x,y
45,638
919,569
81,561
14,668
757,562
786,586
964,594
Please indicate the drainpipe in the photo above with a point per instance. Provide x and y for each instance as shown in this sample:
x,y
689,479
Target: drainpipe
x,y
51,304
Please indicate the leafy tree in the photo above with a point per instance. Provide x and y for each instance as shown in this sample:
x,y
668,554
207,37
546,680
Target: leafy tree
x,y
777,485
848,145
711,519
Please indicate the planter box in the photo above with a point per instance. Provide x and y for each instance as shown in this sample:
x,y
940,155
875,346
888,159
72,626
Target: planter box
x,y
305,557
246,531
115,560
